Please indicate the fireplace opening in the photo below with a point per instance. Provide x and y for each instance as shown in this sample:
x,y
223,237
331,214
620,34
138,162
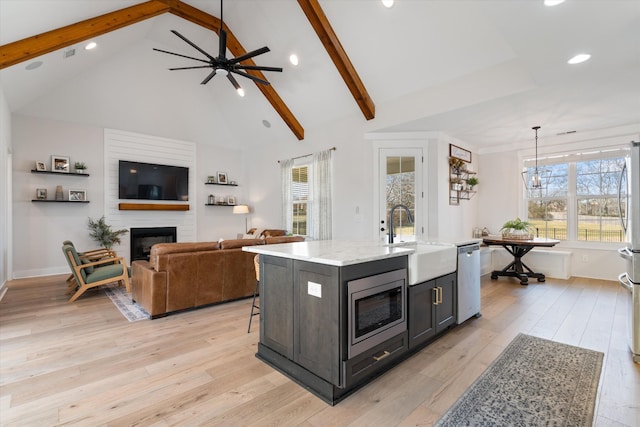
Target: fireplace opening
x,y
143,238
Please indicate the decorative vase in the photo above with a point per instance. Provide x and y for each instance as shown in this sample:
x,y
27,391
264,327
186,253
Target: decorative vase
x,y
59,195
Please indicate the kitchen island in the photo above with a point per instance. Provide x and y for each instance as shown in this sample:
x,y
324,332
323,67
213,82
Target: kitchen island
x,y
335,314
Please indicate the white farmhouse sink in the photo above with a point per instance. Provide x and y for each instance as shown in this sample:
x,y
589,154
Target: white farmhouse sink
x,y
430,261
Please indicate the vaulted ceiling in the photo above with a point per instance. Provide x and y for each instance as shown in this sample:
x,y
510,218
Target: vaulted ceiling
x,y
482,71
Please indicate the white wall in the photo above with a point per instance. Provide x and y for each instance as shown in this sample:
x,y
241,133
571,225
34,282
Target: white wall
x,y
501,174
40,228
5,191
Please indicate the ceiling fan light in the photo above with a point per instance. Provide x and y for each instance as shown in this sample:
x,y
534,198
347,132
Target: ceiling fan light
x,y
240,91
222,72
387,3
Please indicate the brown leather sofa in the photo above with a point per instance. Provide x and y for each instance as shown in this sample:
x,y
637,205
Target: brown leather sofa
x,y
181,276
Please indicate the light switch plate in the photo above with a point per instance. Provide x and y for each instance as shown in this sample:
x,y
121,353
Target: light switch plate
x,y
314,289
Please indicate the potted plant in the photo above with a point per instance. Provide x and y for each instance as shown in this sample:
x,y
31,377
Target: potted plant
x,y
457,165
472,181
456,184
102,233
80,167
517,229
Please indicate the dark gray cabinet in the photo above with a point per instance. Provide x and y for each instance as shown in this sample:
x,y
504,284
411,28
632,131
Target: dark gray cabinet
x,y
316,315
276,304
303,325
432,308
300,314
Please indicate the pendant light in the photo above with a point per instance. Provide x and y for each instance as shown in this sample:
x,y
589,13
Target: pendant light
x,y
538,179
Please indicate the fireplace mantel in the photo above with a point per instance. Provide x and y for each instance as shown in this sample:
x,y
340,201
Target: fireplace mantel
x,y
152,207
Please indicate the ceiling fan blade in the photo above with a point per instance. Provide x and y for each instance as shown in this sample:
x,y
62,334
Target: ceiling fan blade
x,y
222,50
233,81
258,68
190,43
189,68
249,76
249,55
183,56
209,77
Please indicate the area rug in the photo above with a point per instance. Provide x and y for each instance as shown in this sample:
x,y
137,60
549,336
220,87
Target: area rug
x,y
534,382
122,300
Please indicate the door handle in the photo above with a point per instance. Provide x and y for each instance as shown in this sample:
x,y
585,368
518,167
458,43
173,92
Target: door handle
x,y
436,296
440,293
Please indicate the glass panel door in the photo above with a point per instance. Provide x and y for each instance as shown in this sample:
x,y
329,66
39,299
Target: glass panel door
x,y
400,193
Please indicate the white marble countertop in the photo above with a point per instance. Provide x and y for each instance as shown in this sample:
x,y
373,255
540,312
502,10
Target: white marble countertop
x,y
332,252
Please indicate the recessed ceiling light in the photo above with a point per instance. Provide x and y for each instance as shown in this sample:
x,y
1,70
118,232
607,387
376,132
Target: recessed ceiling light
x,y
33,65
90,45
240,91
579,58
387,3
552,2
293,59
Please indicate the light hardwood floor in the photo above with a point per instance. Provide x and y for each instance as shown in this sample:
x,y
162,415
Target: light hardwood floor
x,y
84,364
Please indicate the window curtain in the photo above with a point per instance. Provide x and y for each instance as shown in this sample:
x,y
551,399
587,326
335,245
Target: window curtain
x,y
321,191
286,167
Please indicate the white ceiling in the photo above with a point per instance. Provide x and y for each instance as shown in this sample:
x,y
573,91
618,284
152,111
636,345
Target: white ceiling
x,y
482,71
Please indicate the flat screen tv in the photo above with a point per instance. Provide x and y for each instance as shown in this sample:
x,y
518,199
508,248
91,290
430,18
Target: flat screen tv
x,y
147,181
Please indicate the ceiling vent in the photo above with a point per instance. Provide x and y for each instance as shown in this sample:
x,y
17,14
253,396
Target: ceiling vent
x,y
69,53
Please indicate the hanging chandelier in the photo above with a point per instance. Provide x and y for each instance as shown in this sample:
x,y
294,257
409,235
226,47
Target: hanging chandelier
x,y
536,179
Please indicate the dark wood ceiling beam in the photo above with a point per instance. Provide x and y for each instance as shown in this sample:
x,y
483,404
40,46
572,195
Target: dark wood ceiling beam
x,y
32,47
329,39
210,22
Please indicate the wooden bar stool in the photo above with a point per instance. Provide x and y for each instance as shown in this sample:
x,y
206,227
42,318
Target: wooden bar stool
x,y
255,309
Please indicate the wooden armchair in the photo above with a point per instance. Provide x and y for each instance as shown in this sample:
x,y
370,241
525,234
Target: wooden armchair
x,y
89,274
92,255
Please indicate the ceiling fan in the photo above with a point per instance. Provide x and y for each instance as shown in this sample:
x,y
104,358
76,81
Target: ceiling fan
x,y
223,65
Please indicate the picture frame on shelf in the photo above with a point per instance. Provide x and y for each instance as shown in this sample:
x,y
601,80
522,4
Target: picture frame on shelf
x,y
211,179
60,164
222,177
41,166
459,153
231,200
41,194
77,195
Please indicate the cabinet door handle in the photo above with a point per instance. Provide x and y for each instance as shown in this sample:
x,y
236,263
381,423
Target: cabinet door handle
x,y
382,356
439,295
435,296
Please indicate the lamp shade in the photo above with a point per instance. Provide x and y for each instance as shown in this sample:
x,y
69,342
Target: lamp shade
x,y
241,209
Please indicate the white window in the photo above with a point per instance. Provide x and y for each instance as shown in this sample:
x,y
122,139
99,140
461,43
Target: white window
x,y
301,199
580,200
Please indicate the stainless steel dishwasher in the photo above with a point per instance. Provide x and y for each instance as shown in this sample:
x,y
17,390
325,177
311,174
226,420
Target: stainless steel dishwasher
x,y
468,281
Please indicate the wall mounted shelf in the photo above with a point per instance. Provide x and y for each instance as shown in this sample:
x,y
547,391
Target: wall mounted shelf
x,y
224,185
457,190
60,173
59,201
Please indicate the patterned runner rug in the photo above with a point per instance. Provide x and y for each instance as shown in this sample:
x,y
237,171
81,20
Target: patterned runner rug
x,y
534,382
122,300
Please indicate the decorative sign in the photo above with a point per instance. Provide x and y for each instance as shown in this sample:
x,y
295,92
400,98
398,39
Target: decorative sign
x,y
459,153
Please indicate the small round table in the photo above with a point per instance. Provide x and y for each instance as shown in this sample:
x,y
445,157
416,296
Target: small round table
x,y
519,248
